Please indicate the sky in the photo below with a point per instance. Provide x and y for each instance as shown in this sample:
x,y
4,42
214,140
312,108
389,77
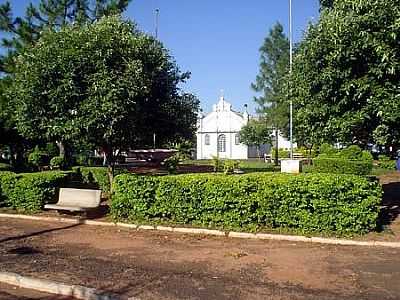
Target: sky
x,y
217,41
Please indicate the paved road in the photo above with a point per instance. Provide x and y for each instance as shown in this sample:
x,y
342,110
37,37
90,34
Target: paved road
x,y
156,265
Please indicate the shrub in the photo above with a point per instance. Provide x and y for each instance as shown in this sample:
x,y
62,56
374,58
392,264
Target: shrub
x,y
353,152
217,163
366,156
386,163
342,166
37,158
29,192
306,202
328,150
5,167
230,166
282,153
97,176
58,162
171,163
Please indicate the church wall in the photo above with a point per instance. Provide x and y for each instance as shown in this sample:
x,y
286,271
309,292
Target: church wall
x,y
233,151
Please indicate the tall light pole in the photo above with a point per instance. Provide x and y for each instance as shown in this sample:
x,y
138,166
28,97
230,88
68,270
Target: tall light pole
x,y
290,73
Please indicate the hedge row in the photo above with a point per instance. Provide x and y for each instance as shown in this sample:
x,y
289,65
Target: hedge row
x,y
308,202
342,166
29,192
96,176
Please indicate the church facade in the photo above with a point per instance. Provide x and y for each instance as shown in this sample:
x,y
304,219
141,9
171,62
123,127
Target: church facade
x,y
218,134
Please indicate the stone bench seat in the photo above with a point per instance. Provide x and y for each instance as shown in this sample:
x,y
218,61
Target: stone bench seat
x,y
76,200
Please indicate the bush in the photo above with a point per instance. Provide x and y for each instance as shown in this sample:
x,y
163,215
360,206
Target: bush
x,y
37,158
306,202
282,153
171,163
217,163
97,176
29,192
327,150
230,166
58,162
386,163
5,167
342,166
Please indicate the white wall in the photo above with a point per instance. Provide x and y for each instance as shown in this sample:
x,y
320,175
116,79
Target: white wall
x,y
221,121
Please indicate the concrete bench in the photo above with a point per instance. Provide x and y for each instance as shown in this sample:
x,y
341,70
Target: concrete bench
x,y
76,200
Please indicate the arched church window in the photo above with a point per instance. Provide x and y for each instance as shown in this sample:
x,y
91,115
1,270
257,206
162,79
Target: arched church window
x,y
207,139
237,139
222,143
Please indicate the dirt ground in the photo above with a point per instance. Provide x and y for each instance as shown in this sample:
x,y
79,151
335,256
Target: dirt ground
x,y
155,265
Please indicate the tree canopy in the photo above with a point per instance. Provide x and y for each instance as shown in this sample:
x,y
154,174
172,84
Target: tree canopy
x,y
255,133
346,75
274,65
23,31
106,83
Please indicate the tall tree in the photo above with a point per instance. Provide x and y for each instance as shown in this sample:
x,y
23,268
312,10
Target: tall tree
x,y
104,82
346,75
24,31
270,82
326,3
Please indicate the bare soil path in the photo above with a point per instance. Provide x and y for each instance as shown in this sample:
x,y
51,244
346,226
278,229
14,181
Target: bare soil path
x,y
157,265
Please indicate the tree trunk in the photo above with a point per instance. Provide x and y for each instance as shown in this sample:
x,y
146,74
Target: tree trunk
x,y
276,159
110,166
61,148
310,155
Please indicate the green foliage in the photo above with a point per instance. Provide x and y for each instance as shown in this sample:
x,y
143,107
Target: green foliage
x,y
58,162
230,166
282,153
326,3
184,149
29,192
37,158
255,133
342,166
384,162
104,84
274,63
352,152
217,163
328,150
171,163
24,31
346,74
306,152
5,167
308,202
96,176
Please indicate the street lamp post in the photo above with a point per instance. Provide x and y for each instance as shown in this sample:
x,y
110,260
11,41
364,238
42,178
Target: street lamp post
x,y
290,73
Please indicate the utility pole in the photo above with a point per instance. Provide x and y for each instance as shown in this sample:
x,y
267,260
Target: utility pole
x,y
290,72
156,22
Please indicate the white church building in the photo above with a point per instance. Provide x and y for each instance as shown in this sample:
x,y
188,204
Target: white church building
x,y
218,134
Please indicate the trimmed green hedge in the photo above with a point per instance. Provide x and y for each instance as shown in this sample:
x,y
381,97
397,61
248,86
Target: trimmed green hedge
x,y
342,166
97,176
30,191
306,202
5,167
